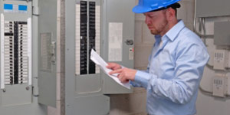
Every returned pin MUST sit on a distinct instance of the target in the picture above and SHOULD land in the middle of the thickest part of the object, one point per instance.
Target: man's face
(157, 22)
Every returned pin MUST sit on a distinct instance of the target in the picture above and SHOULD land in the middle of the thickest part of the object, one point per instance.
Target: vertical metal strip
(98, 31)
(29, 37)
(92, 34)
(2, 53)
(87, 38)
(78, 42)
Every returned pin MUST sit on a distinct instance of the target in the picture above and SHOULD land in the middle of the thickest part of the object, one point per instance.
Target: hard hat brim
(140, 9)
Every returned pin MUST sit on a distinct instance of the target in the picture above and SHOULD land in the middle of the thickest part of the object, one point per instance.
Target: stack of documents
(100, 62)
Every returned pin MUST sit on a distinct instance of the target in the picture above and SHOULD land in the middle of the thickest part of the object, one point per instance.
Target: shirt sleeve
(136, 84)
(190, 63)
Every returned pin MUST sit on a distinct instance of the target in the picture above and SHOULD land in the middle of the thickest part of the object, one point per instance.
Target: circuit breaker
(15, 53)
(87, 36)
(15, 48)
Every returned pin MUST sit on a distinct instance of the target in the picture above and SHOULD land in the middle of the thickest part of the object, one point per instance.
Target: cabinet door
(118, 37)
(47, 51)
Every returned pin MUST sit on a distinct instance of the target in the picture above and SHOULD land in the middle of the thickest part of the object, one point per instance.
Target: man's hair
(173, 6)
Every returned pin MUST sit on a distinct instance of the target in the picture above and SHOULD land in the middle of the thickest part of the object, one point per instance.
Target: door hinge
(35, 11)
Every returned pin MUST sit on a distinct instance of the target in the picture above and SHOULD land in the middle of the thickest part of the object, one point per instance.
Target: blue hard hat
(151, 5)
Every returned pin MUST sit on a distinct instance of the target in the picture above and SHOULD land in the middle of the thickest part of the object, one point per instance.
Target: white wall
(208, 105)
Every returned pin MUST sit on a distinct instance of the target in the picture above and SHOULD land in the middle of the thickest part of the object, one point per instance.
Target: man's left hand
(124, 74)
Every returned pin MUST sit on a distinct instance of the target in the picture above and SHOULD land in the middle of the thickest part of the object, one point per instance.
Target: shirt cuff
(134, 84)
(142, 78)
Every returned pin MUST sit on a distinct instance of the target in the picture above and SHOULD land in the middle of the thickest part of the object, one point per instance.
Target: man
(175, 65)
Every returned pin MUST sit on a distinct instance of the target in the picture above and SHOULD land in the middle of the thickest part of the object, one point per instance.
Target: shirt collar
(175, 30)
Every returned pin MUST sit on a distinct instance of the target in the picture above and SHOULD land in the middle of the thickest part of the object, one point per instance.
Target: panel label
(115, 41)
(12, 8)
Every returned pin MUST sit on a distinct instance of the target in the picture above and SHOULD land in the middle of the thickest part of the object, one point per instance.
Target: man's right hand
(113, 66)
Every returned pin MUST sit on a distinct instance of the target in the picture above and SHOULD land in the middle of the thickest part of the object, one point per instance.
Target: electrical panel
(83, 78)
(15, 48)
(16, 58)
(16, 54)
(87, 36)
(98, 25)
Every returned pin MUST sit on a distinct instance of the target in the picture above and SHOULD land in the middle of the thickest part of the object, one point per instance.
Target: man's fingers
(119, 77)
(122, 78)
(115, 71)
(124, 81)
(113, 66)
(109, 66)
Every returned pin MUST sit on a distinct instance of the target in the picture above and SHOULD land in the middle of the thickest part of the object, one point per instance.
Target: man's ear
(171, 13)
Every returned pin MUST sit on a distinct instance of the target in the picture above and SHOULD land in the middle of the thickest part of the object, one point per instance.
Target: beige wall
(134, 104)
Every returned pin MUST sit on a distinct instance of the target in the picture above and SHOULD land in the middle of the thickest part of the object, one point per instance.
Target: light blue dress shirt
(174, 72)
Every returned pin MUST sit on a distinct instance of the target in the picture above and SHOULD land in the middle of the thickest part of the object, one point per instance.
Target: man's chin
(154, 32)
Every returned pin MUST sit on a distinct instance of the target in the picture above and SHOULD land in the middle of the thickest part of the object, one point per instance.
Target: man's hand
(124, 74)
(113, 66)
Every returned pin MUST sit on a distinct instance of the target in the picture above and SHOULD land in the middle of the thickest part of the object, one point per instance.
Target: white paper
(99, 61)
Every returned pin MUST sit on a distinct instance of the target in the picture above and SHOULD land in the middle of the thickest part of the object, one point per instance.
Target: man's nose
(147, 20)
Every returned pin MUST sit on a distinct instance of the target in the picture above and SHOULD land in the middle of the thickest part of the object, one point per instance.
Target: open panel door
(47, 59)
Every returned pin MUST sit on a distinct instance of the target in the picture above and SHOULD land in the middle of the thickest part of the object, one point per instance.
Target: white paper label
(115, 41)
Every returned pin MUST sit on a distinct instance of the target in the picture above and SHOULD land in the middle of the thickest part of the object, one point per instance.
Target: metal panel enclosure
(221, 33)
(19, 95)
(211, 8)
